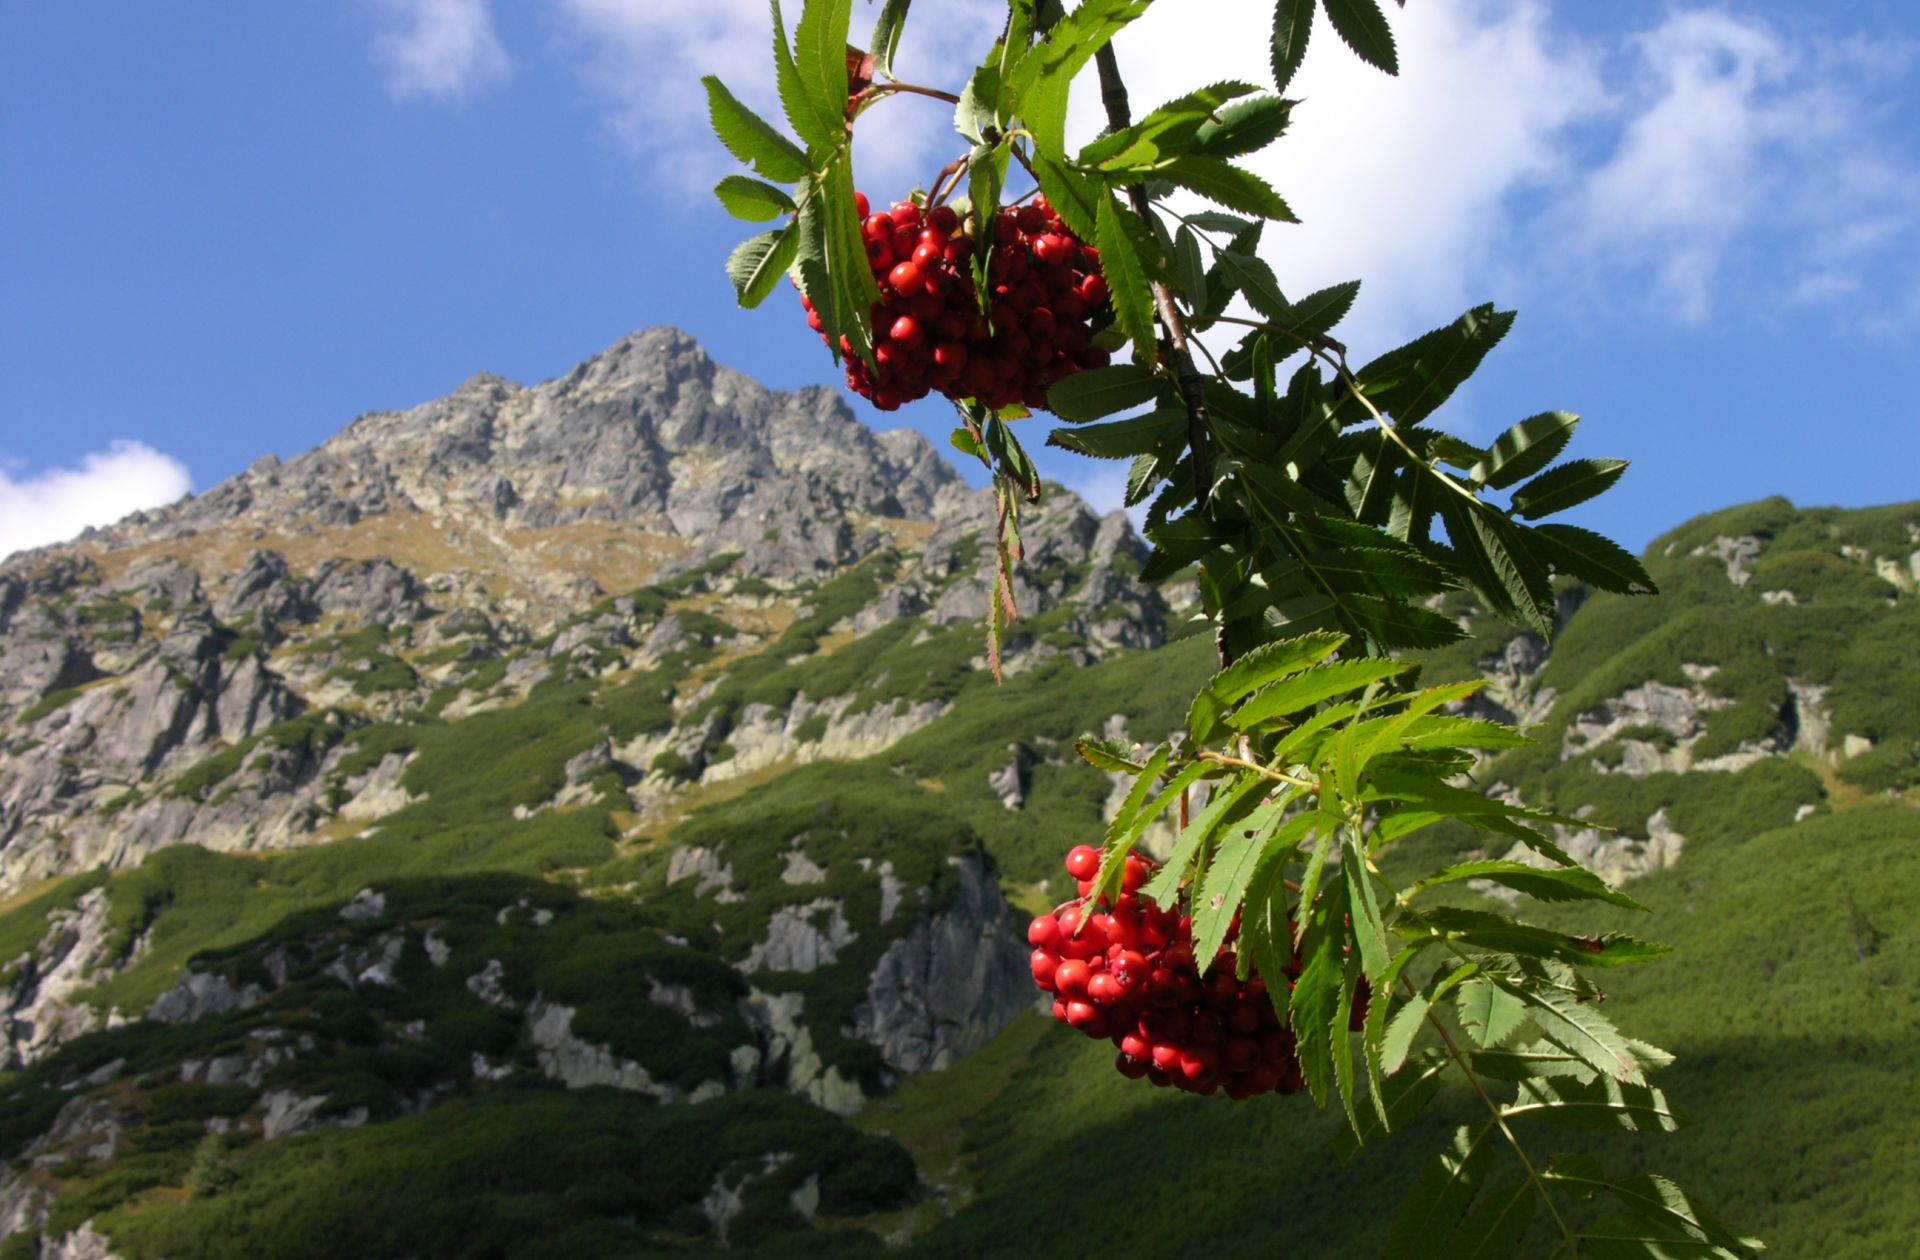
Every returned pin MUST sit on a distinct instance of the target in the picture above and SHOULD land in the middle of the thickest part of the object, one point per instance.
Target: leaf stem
(1500, 1119)
(1466, 1069)
(879, 90)
(1276, 775)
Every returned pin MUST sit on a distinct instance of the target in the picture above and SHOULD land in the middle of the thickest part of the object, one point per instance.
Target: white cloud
(56, 504)
(646, 57)
(1736, 145)
(440, 48)
(1404, 182)
(1681, 163)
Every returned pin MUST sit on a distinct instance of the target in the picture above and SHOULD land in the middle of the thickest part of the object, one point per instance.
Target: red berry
(1044, 966)
(906, 329)
(905, 214)
(951, 354)
(1083, 861)
(1071, 976)
(943, 219)
(1044, 932)
(1200, 1064)
(905, 279)
(1240, 1054)
(860, 204)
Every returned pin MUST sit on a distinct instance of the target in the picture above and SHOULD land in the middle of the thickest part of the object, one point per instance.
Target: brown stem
(1113, 94)
(879, 90)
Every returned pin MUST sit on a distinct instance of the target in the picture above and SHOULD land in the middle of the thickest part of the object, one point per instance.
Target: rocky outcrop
(802, 938)
(953, 980)
(789, 1056)
(43, 998)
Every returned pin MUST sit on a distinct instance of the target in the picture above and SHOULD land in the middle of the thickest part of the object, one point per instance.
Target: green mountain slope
(375, 907)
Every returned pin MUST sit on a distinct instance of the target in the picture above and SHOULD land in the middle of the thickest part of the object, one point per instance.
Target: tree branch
(1113, 94)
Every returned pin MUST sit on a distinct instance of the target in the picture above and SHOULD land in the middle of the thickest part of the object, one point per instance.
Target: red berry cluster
(929, 332)
(1130, 975)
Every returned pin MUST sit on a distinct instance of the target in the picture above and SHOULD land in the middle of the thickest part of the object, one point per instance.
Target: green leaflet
(1482, 929)
(1600, 1103)
(1074, 196)
(1163, 429)
(1292, 24)
(1222, 808)
(1103, 391)
(1316, 314)
(1400, 1031)
(1663, 1212)
(1411, 383)
(1302, 691)
(1317, 992)
(820, 54)
(1112, 755)
(1580, 1028)
(887, 29)
(751, 138)
(1363, 27)
(1369, 934)
(1039, 81)
(1525, 449)
(1528, 1062)
(757, 263)
(1566, 883)
(752, 200)
(1126, 279)
(1595, 560)
(1406, 1096)
(1227, 185)
(1270, 663)
(1563, 487)
(1231, 872)
(1253, 277)
(1188, 266)
(978, 112)
(1433, 1209)
(1165, 133)
(1127, 827)
(1492, 1231)
(1243, 127)
(820, 129)
(1488, 1012)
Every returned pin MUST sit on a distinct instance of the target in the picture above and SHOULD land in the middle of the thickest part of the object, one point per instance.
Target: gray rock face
(199, 995)
(951, 982)
(42, 1010)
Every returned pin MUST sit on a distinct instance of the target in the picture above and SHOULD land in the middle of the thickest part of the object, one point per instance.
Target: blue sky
(229, 229)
